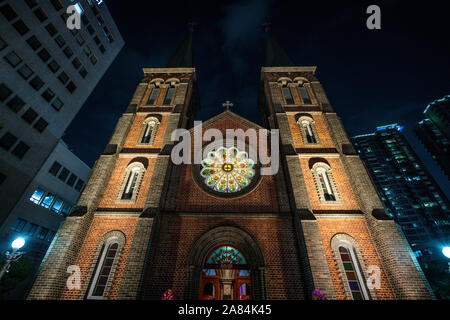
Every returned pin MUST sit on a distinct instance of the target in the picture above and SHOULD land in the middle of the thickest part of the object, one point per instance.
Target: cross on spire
(227, 105)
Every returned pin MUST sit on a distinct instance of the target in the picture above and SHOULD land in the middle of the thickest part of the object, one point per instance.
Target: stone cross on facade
(227, 105)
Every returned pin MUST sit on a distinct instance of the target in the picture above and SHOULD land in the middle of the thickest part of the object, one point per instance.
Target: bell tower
(108, 233)
(351, 248)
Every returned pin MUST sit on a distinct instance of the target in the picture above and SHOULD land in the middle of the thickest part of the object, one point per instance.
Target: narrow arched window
(308, 130)
(353, 274)
(287, 94)
(103, 270)
(150, 130)
(153, 96)
(170, 93)
(325, 183)
(304, 95)
(130, 186)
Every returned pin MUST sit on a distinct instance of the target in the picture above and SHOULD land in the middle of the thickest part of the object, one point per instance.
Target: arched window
(153, 96)
(304, 90)
(308, 130)
(170, 93)
(353, 274)
(149, 131)
(133, 178)
(325, 183)
(104, 267)
(287, 94)
(304, 95)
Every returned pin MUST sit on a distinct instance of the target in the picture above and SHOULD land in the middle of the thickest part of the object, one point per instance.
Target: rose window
(227, 170)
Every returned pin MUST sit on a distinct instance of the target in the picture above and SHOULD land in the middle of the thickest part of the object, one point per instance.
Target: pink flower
(170, 295)
(318, 295)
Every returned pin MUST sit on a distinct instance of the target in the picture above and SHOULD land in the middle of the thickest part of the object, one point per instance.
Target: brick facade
(357, 229)
(280, 224)
(274, 236)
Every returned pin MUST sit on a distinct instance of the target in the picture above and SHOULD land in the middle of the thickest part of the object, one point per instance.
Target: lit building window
(19, 225)
(48, 200)
(37, 196)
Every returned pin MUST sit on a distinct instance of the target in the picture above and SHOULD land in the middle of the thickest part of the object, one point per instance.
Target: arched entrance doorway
(226, 275)
(226, 263)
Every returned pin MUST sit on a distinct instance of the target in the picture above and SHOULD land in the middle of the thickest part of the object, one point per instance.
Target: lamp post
(12, 256)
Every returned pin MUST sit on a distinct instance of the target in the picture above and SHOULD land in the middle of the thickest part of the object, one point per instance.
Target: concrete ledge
(131, 108)
(78, 211)
(380, 214)
(110, 149)
(149, 213)
(348, 149)
(305, 214)
(178, 108)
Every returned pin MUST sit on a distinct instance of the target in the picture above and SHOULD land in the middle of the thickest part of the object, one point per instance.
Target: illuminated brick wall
(88, 255)
(322, 131)
(137, 128)
(357, 229)
(109, 199)
(348, 200)
(274, 236)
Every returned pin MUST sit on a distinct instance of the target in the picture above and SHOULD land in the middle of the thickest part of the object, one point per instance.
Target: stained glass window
(227, 170)
(226, 255)
(244, 273)
(351, 274)
(210, 272)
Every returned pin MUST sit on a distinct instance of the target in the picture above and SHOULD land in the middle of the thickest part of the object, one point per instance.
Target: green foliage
(18, 272)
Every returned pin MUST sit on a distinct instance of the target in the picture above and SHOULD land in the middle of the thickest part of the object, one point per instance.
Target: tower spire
(275, 55)
(183, 57)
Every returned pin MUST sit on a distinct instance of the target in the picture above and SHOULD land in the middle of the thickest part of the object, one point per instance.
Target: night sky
(372, 78)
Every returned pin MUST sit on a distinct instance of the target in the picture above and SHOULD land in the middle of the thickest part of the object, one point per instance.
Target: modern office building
(46, 74)
(44, 205)
(409, 193)
(434, 132)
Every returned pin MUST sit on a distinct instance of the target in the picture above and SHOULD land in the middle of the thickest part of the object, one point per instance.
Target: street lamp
(15, 255)
(446, 252)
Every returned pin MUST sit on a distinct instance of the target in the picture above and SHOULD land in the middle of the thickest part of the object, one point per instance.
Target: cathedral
(222, 230)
